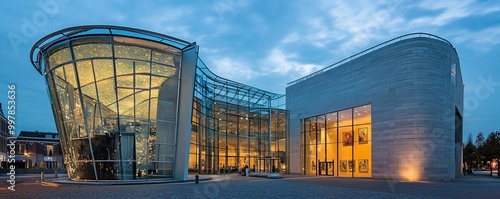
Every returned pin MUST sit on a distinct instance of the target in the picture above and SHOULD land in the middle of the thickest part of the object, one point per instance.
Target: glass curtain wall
(337, 143)
(234, 126)
(115, 103)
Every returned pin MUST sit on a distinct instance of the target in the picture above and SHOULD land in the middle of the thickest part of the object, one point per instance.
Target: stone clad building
(392, 111)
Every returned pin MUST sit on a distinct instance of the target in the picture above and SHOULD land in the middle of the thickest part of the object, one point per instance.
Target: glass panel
(362, 115)
(103, 69)
(331, 120)
(84, 170)
(311, 135)
(331, 135)
(362, 150)
(345, 117)
(231, 145)
(346, 164)
(164, 169)
(79, 118)
(107, 170)
(85, 72)
(311, 162)
(60, 56)
(70, 75)
(142, 81)
(164, 58)
(165, 132)
(92, 50)
(107, 94)
(125, 81)
(331, 154)
(124, 67)
(142, 105)
(142, 67)
(105, 146)
(156, 82)
(126, 101)
(141, 146)
(81, 149)
(132, 52)
(321, 131)
(89, 91)
(154, 108)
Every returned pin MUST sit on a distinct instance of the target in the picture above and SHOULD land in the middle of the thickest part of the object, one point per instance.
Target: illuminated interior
(115, 94)
(109, 93)
(337, 143)
(234, 126)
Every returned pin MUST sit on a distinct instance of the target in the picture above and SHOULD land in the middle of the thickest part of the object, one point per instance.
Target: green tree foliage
(491, 146)
(483, 150)
(470, 151)
(480, 149)
(479, 139)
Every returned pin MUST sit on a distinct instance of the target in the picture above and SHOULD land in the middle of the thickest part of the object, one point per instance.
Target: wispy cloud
(449, 11)
(482, 40)
(279, 62)
(347, 26)
(233, 69)
(169, 20)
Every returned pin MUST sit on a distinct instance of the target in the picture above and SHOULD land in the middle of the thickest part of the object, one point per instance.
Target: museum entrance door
(269, 165)
(326, 168)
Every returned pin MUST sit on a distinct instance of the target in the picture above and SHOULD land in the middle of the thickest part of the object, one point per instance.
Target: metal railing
(369, 50)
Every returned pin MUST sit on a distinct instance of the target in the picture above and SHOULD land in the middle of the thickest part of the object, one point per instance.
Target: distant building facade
(38, 150)
(4, 134)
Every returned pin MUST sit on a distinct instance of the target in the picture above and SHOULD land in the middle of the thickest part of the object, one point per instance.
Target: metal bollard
(196, 179)
(55, 173)
(42, 176)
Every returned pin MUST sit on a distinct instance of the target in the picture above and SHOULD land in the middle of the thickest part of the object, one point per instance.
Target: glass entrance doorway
(326, 168)
(269, 165)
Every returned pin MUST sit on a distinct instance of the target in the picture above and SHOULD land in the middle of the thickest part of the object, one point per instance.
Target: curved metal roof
(64, 34)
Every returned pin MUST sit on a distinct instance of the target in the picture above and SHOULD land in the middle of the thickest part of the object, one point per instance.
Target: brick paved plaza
(235, 186)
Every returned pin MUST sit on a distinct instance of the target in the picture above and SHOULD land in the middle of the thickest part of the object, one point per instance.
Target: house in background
(35, 149)
(3, 138)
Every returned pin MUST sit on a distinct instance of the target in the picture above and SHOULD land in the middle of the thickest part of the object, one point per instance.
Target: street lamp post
(26, 157)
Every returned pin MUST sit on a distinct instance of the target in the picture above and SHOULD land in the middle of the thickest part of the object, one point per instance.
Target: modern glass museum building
(132, 104)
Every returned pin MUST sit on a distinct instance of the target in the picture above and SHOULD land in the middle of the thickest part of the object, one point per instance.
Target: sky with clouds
(261, 43)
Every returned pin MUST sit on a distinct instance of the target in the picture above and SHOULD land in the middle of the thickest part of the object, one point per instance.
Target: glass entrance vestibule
(337, 143)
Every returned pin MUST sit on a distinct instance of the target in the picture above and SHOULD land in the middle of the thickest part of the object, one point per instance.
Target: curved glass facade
(235, 125)
(117, 95)
(107, 96)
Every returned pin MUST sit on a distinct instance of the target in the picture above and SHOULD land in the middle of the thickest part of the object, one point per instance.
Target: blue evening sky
(265, 44)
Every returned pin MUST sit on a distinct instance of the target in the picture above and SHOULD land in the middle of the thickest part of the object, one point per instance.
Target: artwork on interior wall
(313, 166)
(347, 138)
(363, 165)
(350, 166)
(363, 135)
(343, 166)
